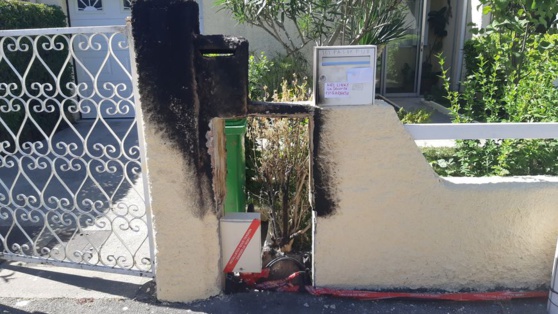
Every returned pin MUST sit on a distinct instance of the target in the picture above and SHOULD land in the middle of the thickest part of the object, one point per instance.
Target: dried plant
(279, 184)
(292, 91)
(278, 159)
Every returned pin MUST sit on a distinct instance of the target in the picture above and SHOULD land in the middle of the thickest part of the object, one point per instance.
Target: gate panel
(71, 190)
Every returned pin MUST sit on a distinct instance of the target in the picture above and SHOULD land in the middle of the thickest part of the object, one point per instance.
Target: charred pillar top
(186, 79)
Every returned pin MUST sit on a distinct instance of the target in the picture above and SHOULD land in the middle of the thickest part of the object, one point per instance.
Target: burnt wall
(325, 199)
(186, 79)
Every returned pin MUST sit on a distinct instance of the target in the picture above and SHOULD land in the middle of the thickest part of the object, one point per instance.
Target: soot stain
(325, 201)
(163, 31)
(260, 108)
(187, 79)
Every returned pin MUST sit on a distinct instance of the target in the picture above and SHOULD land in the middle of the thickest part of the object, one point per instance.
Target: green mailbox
(235, 200)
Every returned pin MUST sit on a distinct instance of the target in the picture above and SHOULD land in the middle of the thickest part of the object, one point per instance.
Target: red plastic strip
(241, 247)
(276, 284)
(252, 278)
(285, 285)
(467, 296)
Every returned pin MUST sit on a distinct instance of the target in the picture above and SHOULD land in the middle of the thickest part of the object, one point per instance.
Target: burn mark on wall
(325, 201)
(216, 145)
(259, 108)
(185, 80)
(221, 73)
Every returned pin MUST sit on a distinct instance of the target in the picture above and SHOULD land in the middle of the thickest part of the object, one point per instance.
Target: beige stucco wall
(187, 246)
(398, 225)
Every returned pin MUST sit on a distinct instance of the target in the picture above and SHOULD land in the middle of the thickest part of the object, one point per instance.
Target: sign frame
(345, 75)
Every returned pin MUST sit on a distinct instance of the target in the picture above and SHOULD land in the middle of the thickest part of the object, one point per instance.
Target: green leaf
(486, 9)
(546, 44)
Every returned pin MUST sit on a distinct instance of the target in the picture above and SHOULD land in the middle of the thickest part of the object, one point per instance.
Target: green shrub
(43, 107)
(417, 116)
(471, 52)
(499, 88)
(277, 155)
(267, 76)
(258, 69)
(21, 15)
(442, 160)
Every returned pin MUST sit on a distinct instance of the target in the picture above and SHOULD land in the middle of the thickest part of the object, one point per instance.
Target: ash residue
(325, 200)
(163, 32)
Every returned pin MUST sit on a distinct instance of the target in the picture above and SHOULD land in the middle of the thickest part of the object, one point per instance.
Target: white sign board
(241, 251)
(344, 75)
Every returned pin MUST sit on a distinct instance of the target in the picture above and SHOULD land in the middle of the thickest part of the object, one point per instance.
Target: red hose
(460, 296)
(285, 285)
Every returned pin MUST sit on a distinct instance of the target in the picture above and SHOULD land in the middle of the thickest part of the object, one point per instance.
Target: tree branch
(274, 34)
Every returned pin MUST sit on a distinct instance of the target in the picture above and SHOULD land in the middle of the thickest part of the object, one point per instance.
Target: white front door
(98, 12)
(102, 61)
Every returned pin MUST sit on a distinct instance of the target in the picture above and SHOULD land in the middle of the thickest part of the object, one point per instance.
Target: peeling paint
(216, 148)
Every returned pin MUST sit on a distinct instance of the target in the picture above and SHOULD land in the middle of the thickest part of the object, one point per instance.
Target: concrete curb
(436, 106)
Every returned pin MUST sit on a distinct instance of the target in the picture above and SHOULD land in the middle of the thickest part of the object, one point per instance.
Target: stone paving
(26, 288)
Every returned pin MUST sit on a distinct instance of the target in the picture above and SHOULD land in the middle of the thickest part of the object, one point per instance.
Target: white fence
(470, 131)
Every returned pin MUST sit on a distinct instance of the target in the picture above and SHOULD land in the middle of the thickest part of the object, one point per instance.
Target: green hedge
(510, 79)
(20, 15)
(45, 110)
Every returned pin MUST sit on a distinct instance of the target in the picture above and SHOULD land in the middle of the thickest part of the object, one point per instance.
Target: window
(127, 4)
(90, 5)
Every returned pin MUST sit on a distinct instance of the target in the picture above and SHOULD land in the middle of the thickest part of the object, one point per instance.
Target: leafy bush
(258, 70)
(442, 160)
(278, 182)
(522, 16)
(41, 101)
(267, 76)
(294, 24)
(277, 156)
(417, 116)
(501, 89)
(20, 15)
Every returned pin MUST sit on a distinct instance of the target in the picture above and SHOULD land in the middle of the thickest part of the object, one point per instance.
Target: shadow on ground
(113, 287)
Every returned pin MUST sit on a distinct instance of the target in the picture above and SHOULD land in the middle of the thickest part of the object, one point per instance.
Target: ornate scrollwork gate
(72, 189)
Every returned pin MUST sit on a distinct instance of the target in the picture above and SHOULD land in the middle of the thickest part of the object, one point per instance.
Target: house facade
(407, 68)
(114, 12)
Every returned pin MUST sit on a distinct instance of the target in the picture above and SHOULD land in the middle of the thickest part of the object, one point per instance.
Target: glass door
(399, 65)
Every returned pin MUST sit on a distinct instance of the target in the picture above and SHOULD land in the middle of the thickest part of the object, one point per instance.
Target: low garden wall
(396, 224)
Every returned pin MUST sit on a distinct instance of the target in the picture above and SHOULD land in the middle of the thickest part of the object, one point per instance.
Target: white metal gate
(72, 191)
(101, 13)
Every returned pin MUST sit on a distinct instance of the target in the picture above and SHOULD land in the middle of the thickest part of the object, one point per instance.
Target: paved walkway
(415, 103)
(46, 289)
